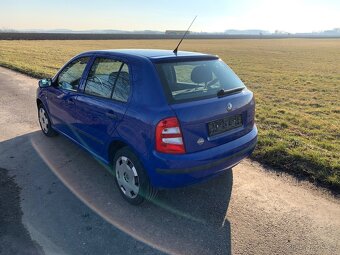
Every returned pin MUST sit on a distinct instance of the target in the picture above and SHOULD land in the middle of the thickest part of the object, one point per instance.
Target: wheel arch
(113, 147)
(116, 145)
(39, 102)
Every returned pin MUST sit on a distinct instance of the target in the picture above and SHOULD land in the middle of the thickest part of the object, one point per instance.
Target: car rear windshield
(188, 81)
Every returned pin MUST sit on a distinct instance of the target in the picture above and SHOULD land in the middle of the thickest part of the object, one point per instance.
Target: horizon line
(114, 31)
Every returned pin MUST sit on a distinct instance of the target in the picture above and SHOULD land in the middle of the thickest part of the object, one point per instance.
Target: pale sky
(213, 15)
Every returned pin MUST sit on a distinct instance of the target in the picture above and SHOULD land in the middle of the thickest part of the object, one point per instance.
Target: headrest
(201, 74)
(122, 75)
(113, 76)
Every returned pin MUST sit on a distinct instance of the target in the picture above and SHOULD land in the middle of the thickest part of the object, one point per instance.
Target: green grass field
(296, 84)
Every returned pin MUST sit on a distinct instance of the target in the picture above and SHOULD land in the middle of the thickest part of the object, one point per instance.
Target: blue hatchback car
(158, 119)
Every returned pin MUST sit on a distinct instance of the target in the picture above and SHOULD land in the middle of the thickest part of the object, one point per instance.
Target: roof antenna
(175, 50)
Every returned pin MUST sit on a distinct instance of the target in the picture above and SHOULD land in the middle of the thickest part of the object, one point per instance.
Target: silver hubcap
(43, 120)
(127, 177)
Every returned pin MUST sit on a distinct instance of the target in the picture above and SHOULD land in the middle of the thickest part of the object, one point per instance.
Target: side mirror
(45, 83)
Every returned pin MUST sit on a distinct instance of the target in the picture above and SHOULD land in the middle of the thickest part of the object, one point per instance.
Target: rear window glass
(188, 81)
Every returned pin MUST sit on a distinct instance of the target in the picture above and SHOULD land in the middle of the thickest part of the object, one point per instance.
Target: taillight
(169, 137)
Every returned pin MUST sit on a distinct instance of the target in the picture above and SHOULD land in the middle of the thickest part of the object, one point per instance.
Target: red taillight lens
(169, 137)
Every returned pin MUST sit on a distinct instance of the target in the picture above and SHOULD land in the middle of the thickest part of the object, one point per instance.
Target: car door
(62, 95)
(103, 103)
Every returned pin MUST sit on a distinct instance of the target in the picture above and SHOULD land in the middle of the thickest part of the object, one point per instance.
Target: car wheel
(131, 178)
(45, 122)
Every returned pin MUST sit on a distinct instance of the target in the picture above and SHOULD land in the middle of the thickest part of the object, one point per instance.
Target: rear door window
(121, 89)
(102, 77)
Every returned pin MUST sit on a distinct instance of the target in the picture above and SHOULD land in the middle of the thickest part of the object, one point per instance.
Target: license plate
(222, 125)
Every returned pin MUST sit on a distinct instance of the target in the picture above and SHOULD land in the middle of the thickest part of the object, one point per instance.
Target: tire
(131, 178)
(45, 122)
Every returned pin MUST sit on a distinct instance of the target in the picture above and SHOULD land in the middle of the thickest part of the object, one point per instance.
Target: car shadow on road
(189, 220)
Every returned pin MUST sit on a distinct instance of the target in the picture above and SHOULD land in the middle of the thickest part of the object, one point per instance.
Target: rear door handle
(70, 100)
(111, 115)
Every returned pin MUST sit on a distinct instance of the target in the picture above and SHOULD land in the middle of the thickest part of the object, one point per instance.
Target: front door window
(70, 76)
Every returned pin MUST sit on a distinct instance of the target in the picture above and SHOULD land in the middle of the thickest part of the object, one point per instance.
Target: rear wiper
(225, 92)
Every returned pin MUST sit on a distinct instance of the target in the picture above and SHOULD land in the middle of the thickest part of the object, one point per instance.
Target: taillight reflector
(169, 137)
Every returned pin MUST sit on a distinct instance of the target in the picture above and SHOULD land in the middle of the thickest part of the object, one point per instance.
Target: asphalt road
(70, 204)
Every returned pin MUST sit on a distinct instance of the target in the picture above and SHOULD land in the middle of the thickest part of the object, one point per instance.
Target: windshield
(188, 81)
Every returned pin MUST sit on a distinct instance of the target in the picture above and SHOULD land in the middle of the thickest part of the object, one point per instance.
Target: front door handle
(111, 115)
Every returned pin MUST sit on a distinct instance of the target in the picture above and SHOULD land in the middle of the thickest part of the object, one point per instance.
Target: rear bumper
(170, 171)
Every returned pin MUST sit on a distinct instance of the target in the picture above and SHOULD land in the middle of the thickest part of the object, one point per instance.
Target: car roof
(154, 55)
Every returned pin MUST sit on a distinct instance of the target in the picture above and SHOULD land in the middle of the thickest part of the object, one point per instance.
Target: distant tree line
(88, 36)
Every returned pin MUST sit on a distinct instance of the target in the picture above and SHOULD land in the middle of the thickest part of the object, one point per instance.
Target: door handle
(70, 100)
(111, 115)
